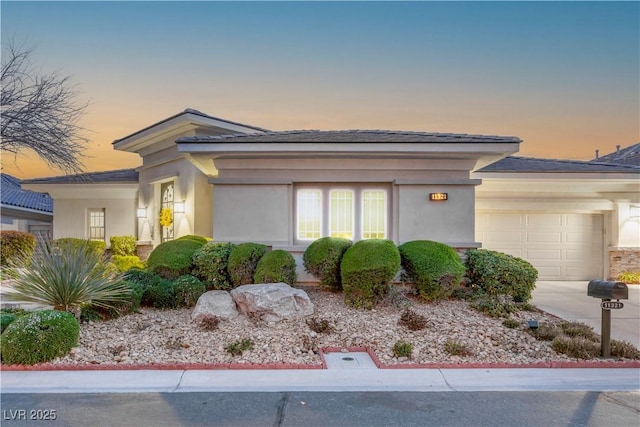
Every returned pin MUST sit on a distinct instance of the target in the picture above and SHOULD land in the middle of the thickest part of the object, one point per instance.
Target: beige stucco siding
(449, 221)
(71, 217)
(258, 213)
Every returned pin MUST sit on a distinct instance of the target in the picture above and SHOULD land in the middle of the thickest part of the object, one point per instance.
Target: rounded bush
(435, 269)
(276, 266)
(210, 264)
(126, 262)
(156, 291)
(187, 290)
(243, 261)
(39, 337)
(322, 259)
(194, 237)
(16, 248)
(5, 320)
(497, 273)
(172, 259)
(123, 245)
(367, 268)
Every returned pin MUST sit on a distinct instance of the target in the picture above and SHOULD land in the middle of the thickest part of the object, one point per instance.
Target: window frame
(103, 227)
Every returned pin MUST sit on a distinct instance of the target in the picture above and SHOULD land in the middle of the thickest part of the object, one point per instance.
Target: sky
(562, 76)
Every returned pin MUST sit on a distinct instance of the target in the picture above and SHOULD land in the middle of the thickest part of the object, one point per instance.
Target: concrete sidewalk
(569, 301)
(278, 380)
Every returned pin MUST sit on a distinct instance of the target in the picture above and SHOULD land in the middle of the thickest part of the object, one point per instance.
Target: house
(24, 210)
(236, 182)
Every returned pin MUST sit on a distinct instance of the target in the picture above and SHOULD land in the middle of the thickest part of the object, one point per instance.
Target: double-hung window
(353, 213)
(96, 224)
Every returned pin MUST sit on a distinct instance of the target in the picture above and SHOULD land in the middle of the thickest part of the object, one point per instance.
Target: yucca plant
(67, 277)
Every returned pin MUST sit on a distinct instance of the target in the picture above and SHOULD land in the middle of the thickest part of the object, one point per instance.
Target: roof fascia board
(11, 210)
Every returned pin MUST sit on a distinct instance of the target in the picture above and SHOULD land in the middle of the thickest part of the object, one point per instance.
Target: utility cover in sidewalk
(349, 360)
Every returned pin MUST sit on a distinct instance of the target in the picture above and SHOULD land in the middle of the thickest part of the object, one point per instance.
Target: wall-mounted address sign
(438, 197)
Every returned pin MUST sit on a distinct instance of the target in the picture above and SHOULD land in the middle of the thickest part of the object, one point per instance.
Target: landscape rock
(272, 301)
(216, 303)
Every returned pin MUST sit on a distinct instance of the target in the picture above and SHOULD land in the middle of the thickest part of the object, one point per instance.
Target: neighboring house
(238, 183)
(24, 210)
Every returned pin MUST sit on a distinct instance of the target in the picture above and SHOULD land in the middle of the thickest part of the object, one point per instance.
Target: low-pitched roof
(535, 165)
(104, 177)
(187, 111)
(625, 156)
(11, 194)
(301, 136)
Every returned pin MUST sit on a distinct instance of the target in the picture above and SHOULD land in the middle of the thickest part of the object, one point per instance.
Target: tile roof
(121, 175)
(11, 194)
(351, 136)
(188, 111)
(625, 156)
(529, 164)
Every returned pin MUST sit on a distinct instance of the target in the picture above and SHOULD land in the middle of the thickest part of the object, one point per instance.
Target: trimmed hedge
(126, 262)
(276, 266)
(210, 265)
(322, 259)
(123, 245)
(497, 273)
(172, 259)
(367, 268)
(39, 337)
(187, 290)
(194, 237)
(243, 261)
(97, 245)
(16, 248)
(435, 269)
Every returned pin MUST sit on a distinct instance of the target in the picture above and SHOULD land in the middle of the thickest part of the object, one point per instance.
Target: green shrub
(123, 245)
(367, 268)
(172, 259)
(402, 349)
(39, 337)
(124, 263)
(501, 274)
(210, 264)
(510, 323)
(156, 291)
(97, 245)
(187, 290)
(276, 266)
(236, 348)
(16, 248)
(130, 305)
(322, 260)
(243, 261)
(456, 348)
(199, 239)
(5, 320)
(579, 329)
(433, 268)
(67, 276)
(493, 307)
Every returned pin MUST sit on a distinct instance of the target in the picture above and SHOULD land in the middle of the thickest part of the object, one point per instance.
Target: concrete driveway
(569, 300)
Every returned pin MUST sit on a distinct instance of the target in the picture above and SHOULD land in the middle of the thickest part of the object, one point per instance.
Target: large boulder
(272, 301)
(216, 303)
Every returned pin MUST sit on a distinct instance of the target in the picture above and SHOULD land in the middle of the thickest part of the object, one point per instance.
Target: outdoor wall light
(142, 213)
(533, 324)
(178, 207)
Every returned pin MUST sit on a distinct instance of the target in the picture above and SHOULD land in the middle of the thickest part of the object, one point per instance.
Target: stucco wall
(71, 217)
(257, 213)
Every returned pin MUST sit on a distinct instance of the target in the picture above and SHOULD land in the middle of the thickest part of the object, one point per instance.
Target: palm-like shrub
(66, 276)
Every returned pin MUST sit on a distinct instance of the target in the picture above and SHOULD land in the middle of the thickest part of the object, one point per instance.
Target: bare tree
(40, 112)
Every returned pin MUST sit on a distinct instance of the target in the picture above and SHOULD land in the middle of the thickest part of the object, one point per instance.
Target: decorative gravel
(169, 337)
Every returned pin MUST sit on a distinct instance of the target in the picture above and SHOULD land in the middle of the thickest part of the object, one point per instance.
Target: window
(96, 224)
(351, 213)
(309, 214)
(166, 202)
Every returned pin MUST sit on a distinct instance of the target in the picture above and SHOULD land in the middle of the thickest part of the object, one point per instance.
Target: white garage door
(560, 246)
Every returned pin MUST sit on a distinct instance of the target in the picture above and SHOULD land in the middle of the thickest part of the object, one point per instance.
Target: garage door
(560, 246)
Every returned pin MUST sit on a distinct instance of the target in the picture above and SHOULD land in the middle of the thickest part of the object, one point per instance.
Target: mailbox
(607, 290)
